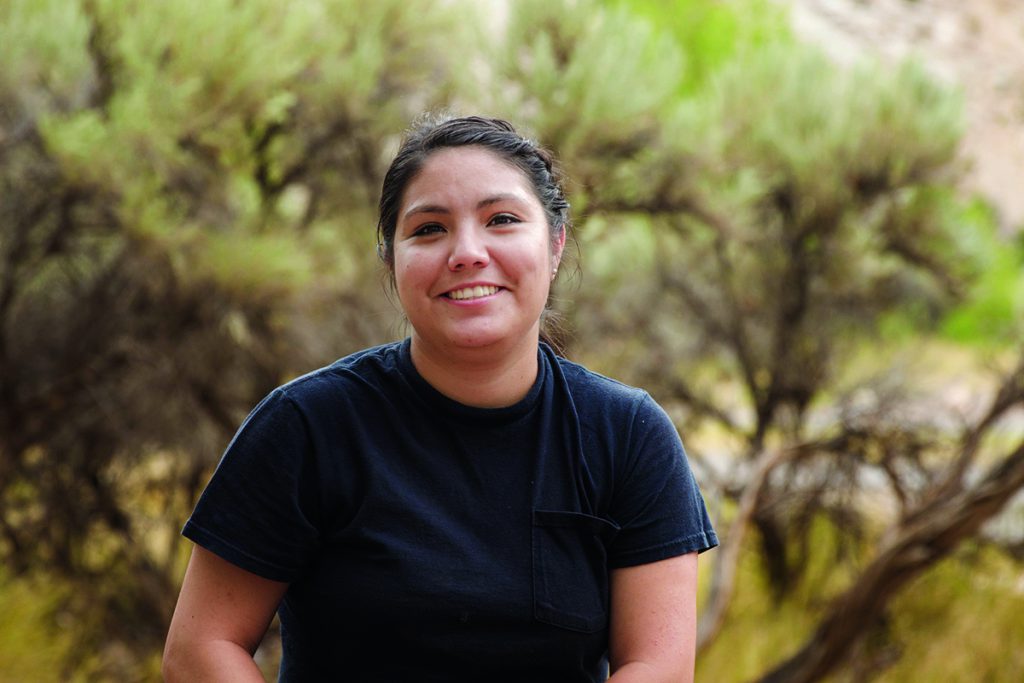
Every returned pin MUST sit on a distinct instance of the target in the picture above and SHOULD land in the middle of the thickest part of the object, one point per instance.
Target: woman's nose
(468, 250)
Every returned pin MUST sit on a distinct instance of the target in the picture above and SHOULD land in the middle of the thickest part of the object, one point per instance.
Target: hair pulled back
(431, 134)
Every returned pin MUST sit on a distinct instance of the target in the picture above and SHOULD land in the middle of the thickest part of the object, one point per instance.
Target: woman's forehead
(469, 174)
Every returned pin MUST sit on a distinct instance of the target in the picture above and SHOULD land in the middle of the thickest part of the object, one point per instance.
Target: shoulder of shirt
(352, 369)
(610, 408)
(585, 383)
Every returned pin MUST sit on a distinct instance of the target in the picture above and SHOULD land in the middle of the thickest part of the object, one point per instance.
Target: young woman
(463, 505)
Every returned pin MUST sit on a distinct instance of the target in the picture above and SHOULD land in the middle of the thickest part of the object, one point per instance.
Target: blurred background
(799, 226)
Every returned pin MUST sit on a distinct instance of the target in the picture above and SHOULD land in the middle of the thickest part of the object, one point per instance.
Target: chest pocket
(570, 569)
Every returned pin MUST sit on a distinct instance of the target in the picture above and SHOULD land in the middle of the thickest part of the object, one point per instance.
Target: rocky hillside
(977, 46)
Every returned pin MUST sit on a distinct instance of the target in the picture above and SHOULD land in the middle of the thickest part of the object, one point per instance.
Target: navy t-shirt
(426, 540)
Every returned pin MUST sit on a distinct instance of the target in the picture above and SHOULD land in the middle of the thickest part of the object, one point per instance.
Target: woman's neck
(480, 377)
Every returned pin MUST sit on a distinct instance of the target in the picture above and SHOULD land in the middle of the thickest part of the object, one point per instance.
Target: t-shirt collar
(442, 405)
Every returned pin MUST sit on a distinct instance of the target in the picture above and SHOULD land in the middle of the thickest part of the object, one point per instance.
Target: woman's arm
(654, 621)
(222, 613)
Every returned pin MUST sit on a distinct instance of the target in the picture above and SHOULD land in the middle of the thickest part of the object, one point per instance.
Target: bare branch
(1009, 395)
(723, 579)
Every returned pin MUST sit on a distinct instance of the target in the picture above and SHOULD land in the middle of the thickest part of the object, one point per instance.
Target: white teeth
(472, 292)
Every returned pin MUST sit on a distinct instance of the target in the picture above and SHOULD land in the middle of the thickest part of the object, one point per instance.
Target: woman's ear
(557, 247)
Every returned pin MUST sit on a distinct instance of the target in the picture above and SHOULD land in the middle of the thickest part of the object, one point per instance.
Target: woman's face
(473, 256)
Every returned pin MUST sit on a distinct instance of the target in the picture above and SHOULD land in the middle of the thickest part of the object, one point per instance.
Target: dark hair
(431, 134)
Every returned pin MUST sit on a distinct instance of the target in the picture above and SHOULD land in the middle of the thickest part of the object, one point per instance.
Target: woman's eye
(428, 229)
(504, 219)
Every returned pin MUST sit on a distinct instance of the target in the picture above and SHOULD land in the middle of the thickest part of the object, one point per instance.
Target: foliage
(712, 34)
(591, 83)
(993, 313)
(31, 649)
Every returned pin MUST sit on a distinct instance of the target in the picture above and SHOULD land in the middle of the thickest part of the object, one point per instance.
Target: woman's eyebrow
(426, 208)
(487, 201)
(494, 199)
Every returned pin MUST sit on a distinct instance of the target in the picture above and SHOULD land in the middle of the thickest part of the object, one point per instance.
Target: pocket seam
(595, 530)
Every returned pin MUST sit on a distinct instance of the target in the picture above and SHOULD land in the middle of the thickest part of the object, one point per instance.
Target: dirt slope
(977, 45)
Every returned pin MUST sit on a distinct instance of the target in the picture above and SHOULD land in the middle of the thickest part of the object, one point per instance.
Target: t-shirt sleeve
(258, 511)
(657, 503)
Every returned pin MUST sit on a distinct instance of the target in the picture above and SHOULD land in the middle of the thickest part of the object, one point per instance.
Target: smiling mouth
(471, 292)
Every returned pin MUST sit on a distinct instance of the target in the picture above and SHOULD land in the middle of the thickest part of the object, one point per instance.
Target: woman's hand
(221, 616)
(654, 621)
